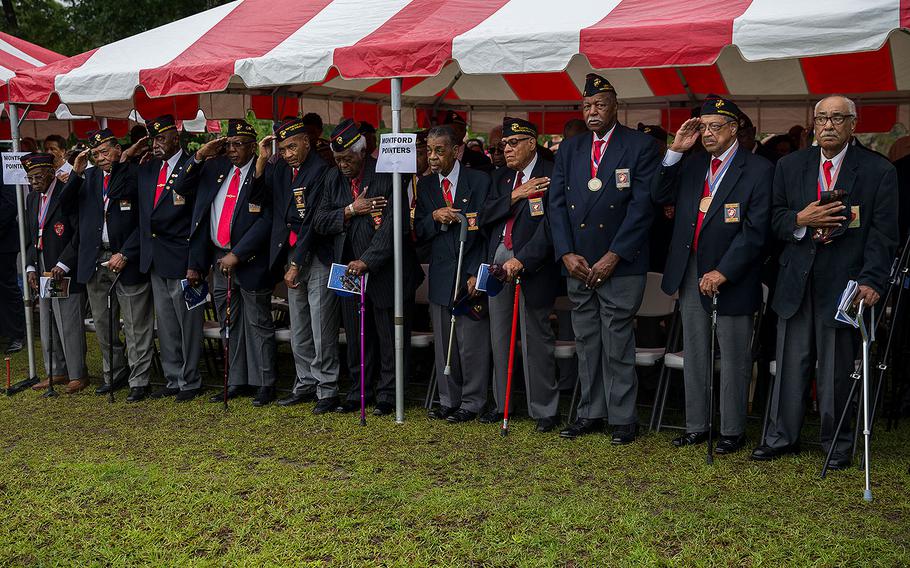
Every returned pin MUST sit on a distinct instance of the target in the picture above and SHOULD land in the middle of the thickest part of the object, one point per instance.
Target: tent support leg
(398, 264)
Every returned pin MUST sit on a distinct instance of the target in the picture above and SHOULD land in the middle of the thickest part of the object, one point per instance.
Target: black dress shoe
(292, 400)
(325, 405)
(383, 408)
(164, 392)
(490, 416)
(548, 424)
(767, 453)
(581, 427)
(136, 394)
(690, 439)
(624, 434)
(186, 395)
(106, 387)
(441, 412)
(730, 444)
(14, 346)
(348, 406)
(264, 396)
(839, 462)
(234, 391)
(461, 415)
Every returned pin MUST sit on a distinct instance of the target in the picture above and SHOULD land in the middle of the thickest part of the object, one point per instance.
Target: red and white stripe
(494, 54)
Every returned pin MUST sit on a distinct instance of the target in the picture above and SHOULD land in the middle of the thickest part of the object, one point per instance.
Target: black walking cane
(709, 459)
(227, 337)
(462, 238)
(110, 331)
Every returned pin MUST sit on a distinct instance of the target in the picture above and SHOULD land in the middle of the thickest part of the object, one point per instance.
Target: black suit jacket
(250, 226)
(61, 239)
(164, 228)
(276, 187)
(592, 223)
(470, 197)
(731, 244)
(361, 238)
(86, 193)
(532, 244)
(903, 181)
(864, 254)
(9, 228)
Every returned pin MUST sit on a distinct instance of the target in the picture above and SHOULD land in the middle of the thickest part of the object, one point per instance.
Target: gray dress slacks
(603, 320)
(734, 338)
(467, 386)
(537, 349)
(179, 333)
(314, 321)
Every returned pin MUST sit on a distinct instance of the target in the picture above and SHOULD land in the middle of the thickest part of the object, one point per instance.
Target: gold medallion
(704, 204)
(594, 184)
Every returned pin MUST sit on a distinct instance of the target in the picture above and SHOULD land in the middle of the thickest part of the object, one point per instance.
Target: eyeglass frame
(714, 127)
(836, 119)
(514, 142)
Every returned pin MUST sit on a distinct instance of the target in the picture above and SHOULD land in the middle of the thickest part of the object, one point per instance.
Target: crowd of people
(580, 222)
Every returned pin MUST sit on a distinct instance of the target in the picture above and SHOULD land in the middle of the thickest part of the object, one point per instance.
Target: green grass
(86, 483)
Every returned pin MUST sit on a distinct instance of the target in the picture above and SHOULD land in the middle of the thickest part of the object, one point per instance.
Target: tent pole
(20, 209)
(398, 264)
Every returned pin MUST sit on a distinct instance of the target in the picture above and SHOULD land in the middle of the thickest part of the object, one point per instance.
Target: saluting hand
(686, 136)
(141, 145)
(210, 149)
(81, 162)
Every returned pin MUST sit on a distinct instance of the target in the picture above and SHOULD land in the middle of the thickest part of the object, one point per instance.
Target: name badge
(623, 179)
(731, 212)
(253, 208)
(377, 219)
(535, 206)
(472, 221)
(125, 205)
(854, 217)
(179, 199)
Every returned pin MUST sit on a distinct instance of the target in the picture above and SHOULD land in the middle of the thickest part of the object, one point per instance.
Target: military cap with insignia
(238, 127)
(595, 84)
(36, 160)
(515, 126)
(453, 117)
(344, 135)
(161, 125)
(289, 128)
(721, 106)
(654, 131)
(99, 137)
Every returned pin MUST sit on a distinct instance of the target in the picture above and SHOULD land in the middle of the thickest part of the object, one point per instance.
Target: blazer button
(693, 224)
(155, 236)
(289, 225)
(582, 226)
(612, 207)
(687, 246)
(571, 207)
(601, 226)
(280, 244)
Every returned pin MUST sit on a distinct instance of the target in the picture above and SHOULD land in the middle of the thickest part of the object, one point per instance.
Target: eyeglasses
(836, 119)
(514, 142)
(714, 127)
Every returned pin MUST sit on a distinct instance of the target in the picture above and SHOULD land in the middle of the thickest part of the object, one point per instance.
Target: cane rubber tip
(363, 421)
(447, 370)
(504, 432)
(50, 394)
(867, 495)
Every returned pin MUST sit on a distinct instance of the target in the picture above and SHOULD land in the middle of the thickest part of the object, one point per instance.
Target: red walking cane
(505, 414)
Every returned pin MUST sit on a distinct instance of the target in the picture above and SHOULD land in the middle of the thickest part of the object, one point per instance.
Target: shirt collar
(526, 172)
(606, 135)
(728, 151)
(174, 160)
(836, 160)
(453, 175)
(243, 169)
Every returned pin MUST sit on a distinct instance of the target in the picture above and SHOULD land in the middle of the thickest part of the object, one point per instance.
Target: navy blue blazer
(164, 228)
(733, 233)
(592, 223)
(60, 236)
(541, 281)
(470, 197)
(276, 187)
(864, 253)
(122, 219)
(250, 226)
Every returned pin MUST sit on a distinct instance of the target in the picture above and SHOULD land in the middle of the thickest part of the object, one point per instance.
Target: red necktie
(162, 180)
(507, 238)
(107, 180)
(827, 169)
(715, 163)
(294, 173)
(292, 238)
(598, 151)
(355, 188)
(227, 210)
(447, 192)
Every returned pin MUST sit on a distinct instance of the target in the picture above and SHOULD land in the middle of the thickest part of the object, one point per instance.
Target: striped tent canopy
(490, 57)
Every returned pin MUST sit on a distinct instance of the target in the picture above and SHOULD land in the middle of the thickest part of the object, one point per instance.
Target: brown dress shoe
(58, 380)
(75, 386)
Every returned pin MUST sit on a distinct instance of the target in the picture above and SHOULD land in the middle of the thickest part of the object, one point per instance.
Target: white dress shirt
(218, 204)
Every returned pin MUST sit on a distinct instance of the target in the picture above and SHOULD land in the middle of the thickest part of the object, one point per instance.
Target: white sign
(13, 172)
(397, 154)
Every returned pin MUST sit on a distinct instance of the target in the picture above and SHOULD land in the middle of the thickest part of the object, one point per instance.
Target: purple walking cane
(363, 411)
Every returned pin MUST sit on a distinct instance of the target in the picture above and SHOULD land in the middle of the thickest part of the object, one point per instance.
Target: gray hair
(443, 131)
(358, 147)
(851, 106)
